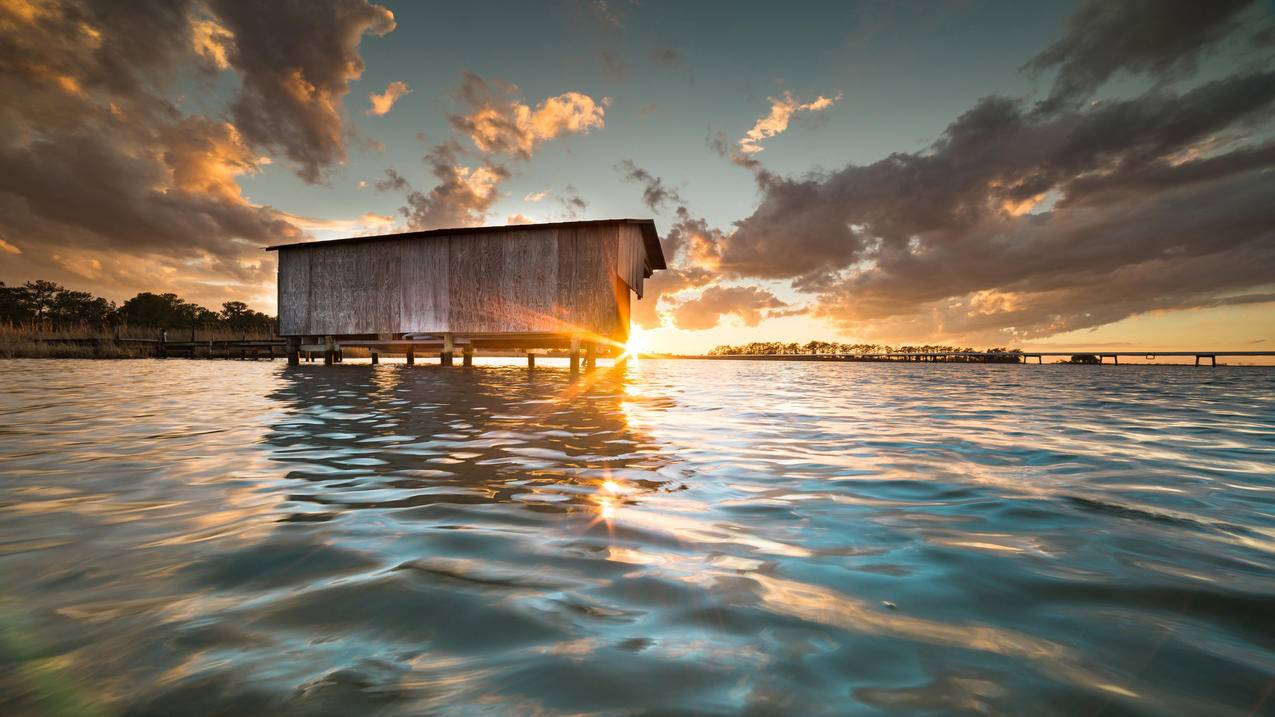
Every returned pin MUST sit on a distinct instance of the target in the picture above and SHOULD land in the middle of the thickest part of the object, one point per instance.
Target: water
(693, 538)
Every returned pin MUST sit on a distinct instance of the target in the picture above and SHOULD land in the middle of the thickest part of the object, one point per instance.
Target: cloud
(776, 121)
(102, 176)
(573, 205)
(382, 103)
(655, 194)
(519, 219)
(1160, 38)
(367, 223)
(750, 304)
(463, 196)
(498, 123)
(659, 289)
(1158, 201)
(536, 196)
(296, 61)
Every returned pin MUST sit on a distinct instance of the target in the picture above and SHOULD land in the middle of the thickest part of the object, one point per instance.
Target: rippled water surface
(685, 538)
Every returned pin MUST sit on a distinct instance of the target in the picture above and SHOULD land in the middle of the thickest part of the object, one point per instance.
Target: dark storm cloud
(1160, 38)
(297, 59)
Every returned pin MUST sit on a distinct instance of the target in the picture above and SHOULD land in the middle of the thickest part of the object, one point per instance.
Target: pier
(1078, 357)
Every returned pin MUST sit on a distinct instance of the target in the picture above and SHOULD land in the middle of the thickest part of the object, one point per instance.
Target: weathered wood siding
(631, 263)
(529, 275)
(586, 271)
(534, 280)
(424, 274)
(354, 288)
(294, 292)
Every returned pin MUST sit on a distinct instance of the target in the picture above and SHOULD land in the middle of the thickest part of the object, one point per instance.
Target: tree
(14, 307)
(161, 311)
(69, 307)
(39, 296)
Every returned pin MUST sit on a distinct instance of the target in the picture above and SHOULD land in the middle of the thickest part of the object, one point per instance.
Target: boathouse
(527, 286)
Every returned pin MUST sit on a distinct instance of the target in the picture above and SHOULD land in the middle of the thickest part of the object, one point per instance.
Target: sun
(638, 342)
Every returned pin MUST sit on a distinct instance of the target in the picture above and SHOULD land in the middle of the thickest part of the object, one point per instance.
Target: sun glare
(638, 343)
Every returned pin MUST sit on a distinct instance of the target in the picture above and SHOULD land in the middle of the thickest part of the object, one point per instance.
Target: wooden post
(1115, 359)
(294, 352)
(329, 352)
(445, 357)
(575, 354)
(531, 359)
(590, 356)
(411, 355)
(467, 355)
(163, 341)
(375, 357)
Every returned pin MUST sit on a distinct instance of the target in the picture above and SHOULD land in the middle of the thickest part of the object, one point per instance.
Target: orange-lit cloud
(498, 123)
(382, 103)
(776, 121)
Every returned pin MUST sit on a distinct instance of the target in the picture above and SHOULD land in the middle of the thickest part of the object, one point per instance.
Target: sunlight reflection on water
(686, 537)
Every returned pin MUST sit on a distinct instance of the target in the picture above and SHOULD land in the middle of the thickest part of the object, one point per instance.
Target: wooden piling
(590, 356)
(375, 358)
(575, 354)
(294, 351)
(531, 360)
(445, 357)
(467, 356)
(329, 351)
(411, 355)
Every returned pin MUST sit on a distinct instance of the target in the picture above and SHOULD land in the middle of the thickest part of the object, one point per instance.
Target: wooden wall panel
(423, 275)
(354, 288)
(631, 262)
(528, 285)
(475, 264)
(586, 279)
(294, 292)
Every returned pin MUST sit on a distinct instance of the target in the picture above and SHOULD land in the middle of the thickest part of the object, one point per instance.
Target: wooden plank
(424, 280)
(294, 292)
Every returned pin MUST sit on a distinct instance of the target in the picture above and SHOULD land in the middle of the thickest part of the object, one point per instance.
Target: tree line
(45, 303)
(831, 347)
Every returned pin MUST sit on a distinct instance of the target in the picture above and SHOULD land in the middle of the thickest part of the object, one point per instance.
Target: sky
(1038, 175)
